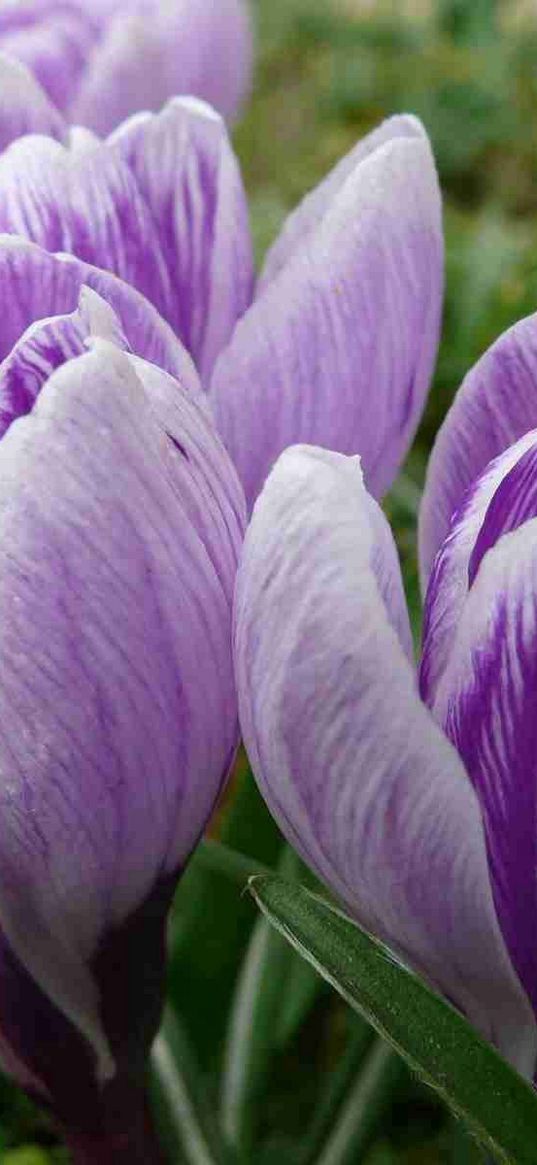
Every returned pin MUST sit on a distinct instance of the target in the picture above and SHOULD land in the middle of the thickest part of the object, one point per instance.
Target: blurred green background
(327, 71)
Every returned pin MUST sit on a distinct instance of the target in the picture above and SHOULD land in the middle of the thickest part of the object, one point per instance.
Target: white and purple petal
(496, 502)
(25, 107)
(495, 405)
(351, 763)
(485, 702)
(121, 520)
(339, 347)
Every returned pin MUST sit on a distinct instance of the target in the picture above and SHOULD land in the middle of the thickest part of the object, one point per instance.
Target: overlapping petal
(120, 524)
(36, 285)
(383, 811)
(496, 404)
(490, 506)
(486, 704)
(339, 346)
(25, 107)
(161, 205)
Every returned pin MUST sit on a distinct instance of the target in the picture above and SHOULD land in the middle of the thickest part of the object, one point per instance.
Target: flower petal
(188, 176)
(36, 285)
(307, 217)
(338, 349)
(495, 405)
(154, 50)
(117, 698)
(25, 108)
(486, 704)
(54, 41)
(350, 762)
(486, 511)
(84, 201)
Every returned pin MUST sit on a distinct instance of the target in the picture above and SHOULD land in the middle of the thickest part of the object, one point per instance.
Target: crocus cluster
(414, 797)
(146, 388)
(94, 62)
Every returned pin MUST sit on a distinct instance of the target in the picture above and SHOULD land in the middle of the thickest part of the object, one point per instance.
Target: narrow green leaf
(364, 1107)
(253, 1025)
(183, 1112)
(222, 859)
(338, 1084)
(496, 1103)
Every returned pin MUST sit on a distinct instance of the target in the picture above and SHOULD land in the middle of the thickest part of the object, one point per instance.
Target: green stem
(364, 1107)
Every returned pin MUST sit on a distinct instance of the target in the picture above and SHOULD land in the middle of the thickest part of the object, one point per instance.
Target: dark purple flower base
(135, 1145)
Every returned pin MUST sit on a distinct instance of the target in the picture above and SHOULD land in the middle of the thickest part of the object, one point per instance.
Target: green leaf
(364, 1107)
(496, 1103)
(337, 1087)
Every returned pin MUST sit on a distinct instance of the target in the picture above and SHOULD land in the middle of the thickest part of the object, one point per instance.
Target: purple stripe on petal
(338, 349)
(495, 405)
(452, 573)
(486, 704)
(352, 765)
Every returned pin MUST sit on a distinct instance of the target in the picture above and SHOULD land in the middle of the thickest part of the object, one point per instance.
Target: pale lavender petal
(117, 699)
(479, 519)
(152, 50)
(495, 405)
(351, 763)
(189, 179)
(54, 41)
(35, 285)
(303, 221)
(24, 107)
(486, 704)
(338, 350)
(84, 201)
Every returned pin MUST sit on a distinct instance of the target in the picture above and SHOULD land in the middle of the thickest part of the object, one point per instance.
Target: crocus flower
(121, 518)
(95, 62)
(417, 806)
(337, 346)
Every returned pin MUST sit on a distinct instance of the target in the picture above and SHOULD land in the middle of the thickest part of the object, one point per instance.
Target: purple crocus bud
(98, 63)
(121, 519)
(339, 346)
(383, 798)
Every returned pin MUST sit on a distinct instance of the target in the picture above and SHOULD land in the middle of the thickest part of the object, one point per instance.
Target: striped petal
(338, 348)
(495, 405)
(35, 285)
(497, 502)
(486, 703)
(188, 177)
(120, 524)
(352, 765)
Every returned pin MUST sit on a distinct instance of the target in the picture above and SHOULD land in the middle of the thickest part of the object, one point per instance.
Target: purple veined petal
(486, 512)
(339, 348)
(153, 50)
(84, 201)
(188, 176)
(45, 346)
(55, 42)
(25, 108)
(303, 221)
(486, 704)
(351, 763)
(35, 285)
(113, 594)
(387, 571)
(495, 405)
